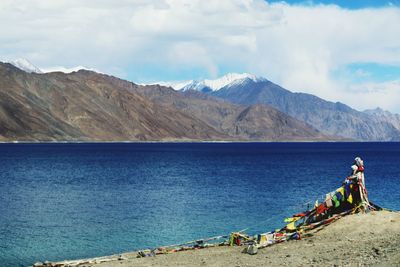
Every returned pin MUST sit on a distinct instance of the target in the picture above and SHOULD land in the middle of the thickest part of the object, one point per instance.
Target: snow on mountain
(25, 65)
(212, 85)
(228, 79)
(177, 85)
(68, 70)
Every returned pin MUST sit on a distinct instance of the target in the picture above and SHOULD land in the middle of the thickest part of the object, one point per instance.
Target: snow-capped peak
(212, 85)
(25, 65)
(228, 79)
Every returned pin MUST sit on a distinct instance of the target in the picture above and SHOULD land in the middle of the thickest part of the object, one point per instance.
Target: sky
(347, 51)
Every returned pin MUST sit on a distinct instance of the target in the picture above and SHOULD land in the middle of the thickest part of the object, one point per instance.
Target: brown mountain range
(87, 106)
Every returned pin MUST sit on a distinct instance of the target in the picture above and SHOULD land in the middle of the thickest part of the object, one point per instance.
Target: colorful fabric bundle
(321, 208)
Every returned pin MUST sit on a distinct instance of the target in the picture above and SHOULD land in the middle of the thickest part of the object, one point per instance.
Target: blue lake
(67, 201)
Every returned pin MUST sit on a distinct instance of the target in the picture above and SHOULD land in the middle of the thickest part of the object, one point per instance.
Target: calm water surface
(67, 201)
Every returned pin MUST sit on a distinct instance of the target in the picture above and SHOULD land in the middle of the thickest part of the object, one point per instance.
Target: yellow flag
(292, 219)
(291, 226)
(350, 198)
(289, 220)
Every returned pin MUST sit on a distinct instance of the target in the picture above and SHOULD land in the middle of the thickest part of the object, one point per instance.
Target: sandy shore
(371, 239)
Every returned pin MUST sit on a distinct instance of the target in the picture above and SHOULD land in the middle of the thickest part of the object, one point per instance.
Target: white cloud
(192, 54)
(298, 47)
(370, 95)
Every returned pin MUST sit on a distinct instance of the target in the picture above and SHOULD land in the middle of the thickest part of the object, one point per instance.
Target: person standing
(358, 175)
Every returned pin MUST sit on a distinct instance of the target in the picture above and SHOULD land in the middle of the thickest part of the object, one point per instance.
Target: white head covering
(359, 162)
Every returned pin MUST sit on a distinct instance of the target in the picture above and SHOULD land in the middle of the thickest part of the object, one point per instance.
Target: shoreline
(192, 142)
(371, 239)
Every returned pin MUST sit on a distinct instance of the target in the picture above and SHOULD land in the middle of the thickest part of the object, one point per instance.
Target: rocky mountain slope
(253, 122)
(384, 115)
(85, 105)
(330, 118)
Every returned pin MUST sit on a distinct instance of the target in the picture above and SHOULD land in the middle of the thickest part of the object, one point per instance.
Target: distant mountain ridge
(335, 119)
(331, 118)
(85, 105)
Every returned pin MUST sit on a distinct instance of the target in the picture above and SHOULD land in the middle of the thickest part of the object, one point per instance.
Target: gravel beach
(371, 239)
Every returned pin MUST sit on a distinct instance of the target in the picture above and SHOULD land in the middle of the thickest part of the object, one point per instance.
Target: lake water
(68, 201)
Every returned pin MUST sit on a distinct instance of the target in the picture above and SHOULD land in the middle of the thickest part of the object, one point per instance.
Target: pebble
(376, 250)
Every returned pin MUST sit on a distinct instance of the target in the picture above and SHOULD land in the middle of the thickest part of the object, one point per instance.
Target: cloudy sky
(346, 51)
